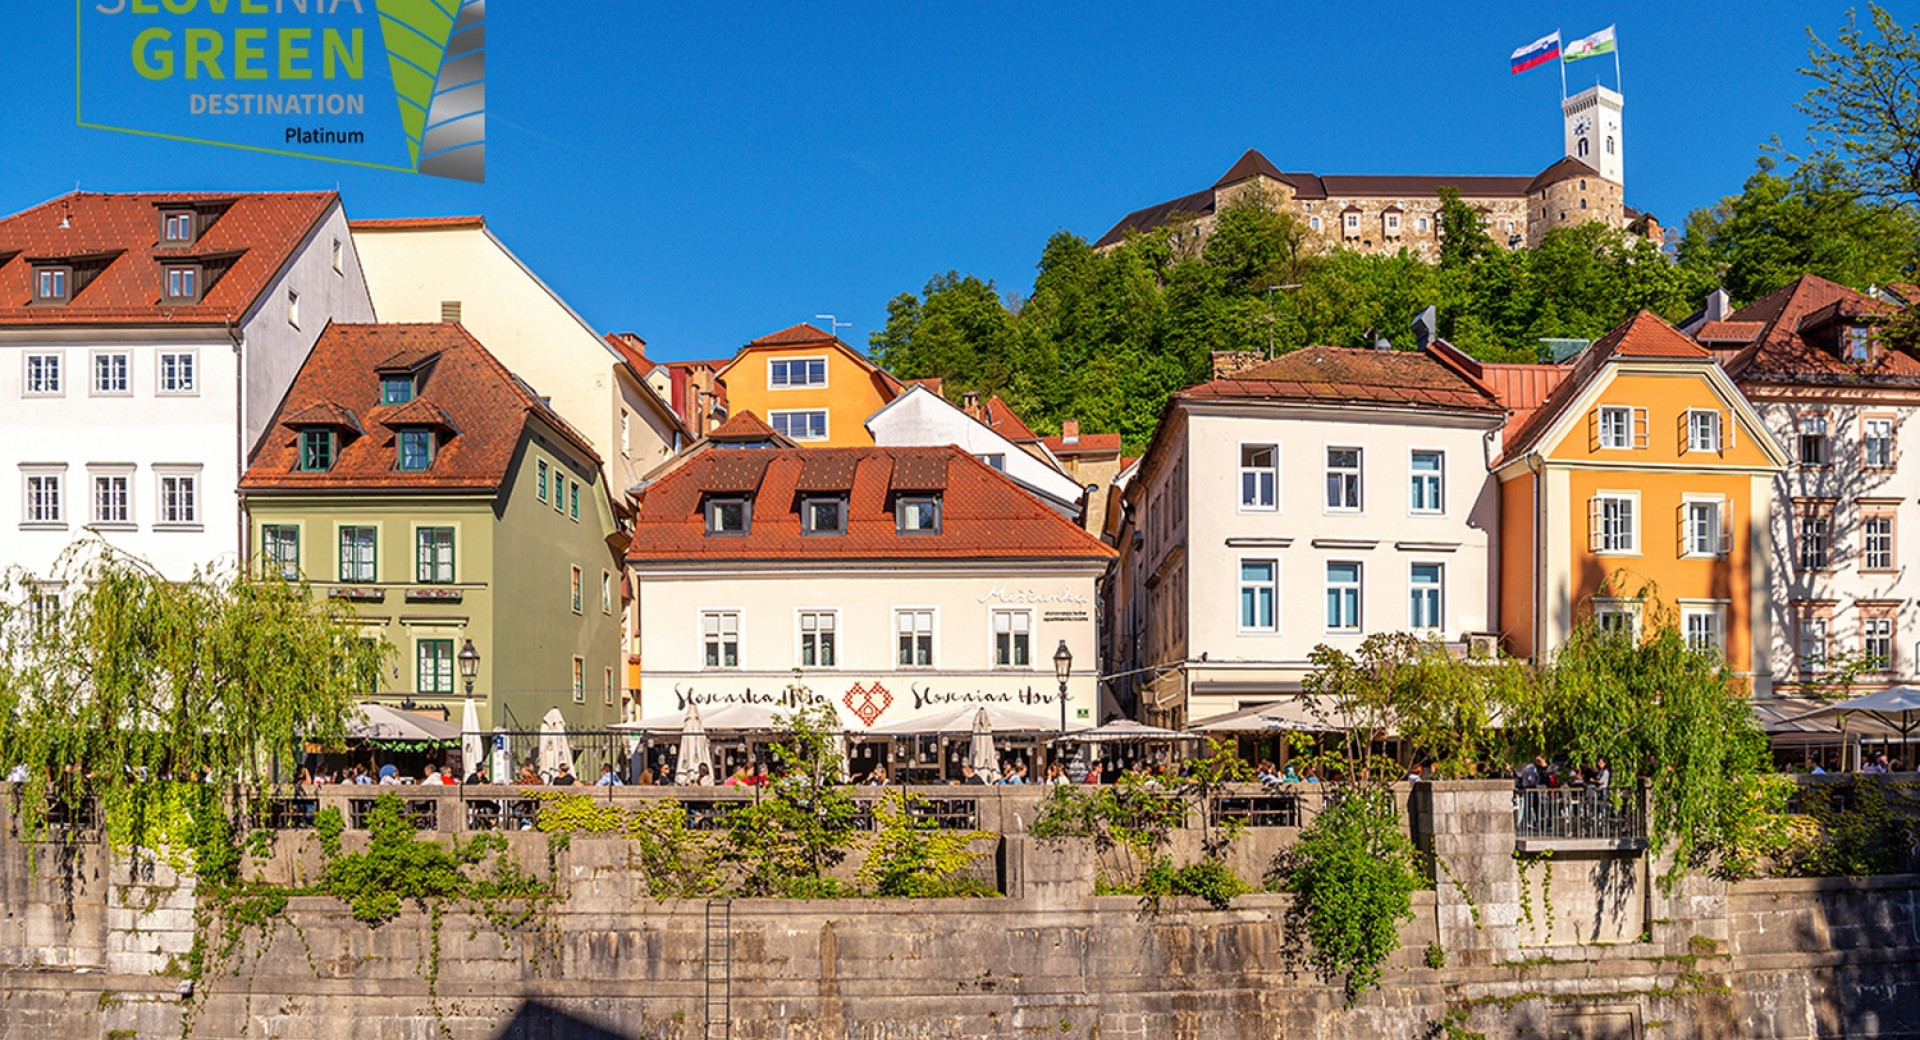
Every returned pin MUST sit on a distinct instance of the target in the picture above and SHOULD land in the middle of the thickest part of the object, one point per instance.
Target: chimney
(970, 404)
(1426, 327)
(1070, 431)
(1719, 305)
(633, 341)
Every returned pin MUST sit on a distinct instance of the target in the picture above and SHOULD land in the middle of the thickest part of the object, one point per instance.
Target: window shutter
(1593, 524)
(1640, 427)
(1726, 430)
(1686, 434)
(1593, 430)
(1726, 527)
(1629, 527)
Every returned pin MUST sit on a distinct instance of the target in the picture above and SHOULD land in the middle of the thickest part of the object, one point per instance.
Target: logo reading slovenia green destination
(293, 77)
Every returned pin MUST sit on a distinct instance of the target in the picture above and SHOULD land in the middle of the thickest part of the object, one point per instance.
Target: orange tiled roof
(805, 332)
(1730, 331)
(982, 513)
(418, 223)
(1003, 420)
(255, 233)
(481, 407)
(1087, 444)
(632, 350)
(1781, 353)
(1353, 375)
(743, 426)
(1645, 336)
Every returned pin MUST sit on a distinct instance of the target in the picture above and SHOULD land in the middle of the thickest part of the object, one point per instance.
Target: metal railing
(1579, 814)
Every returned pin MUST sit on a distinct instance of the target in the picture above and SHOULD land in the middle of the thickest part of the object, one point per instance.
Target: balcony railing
(1579, 817)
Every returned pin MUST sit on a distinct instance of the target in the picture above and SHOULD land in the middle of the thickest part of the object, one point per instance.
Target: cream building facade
(456, 269)
(1319, 498)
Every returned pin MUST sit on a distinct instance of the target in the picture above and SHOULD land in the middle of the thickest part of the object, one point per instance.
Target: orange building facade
(808, 386)
(1639, 491)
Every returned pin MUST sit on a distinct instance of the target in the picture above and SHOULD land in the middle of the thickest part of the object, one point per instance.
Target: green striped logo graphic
(437, 50)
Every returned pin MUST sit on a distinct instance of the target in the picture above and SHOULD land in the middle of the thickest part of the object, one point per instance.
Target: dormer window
(396, 389)
(728, 515)
(50, 284)
(1859, 344)
(917, 514)
(176, 227)
(416, 450)
(183, 283)
(318, 448)
(824, 515)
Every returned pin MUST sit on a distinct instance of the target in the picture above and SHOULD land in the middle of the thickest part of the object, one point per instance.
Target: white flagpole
(1563, 65)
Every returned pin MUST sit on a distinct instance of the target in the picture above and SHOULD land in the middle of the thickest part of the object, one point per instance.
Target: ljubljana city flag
(1539, 52)
(1592, 46)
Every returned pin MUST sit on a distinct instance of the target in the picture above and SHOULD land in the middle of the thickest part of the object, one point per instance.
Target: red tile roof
(633, 350)
(982, 513)
(466, 390)
(418, 223)
(1730, 331)
(1088, 444)
(805, 332)
(1781, 352)
(256, 234)
(1644, 337)
(744, 426)
(1003, 420)
(1350, 375)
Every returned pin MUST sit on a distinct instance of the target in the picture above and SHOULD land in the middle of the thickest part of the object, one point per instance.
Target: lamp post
(1062, 667)
(469, 660)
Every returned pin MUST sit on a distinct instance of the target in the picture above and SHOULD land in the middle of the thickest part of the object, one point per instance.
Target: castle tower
(1593, 131)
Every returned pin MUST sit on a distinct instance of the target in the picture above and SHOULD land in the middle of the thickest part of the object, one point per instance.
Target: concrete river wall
(1580, 944)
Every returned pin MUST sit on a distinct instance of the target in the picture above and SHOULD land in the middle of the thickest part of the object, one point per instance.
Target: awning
(388, 723)
(727, 718)
(1290, 713)
(1121, 730)
(1894, 710)
(960, 722)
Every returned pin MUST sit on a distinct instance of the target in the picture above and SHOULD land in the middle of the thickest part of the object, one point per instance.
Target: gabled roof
(325, 414)
(474, 222)
(1003, 420)
(1643, 337)
(482, 407)
(1085, 444)
(632, 350)
(1780, 351)
(806, 334)
(1522, 389)
(744, 427)
(1351, 375)
(1730, 332)
(252, 235)
(982, 513)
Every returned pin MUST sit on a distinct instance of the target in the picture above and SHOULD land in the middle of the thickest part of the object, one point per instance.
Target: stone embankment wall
(1581, 944)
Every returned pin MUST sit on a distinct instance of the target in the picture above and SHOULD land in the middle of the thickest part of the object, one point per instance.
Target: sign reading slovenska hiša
(390, 84)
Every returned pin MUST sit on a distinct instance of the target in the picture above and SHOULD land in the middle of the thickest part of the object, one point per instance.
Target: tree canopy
(1864, 107)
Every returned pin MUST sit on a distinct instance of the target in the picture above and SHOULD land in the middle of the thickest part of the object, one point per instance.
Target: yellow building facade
(809, 386)
(1638, 493)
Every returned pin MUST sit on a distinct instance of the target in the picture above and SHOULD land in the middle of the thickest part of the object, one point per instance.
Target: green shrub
(1354, 871)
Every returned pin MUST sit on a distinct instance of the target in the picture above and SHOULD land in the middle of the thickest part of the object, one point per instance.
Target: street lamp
(469, 660)
(1062, 666)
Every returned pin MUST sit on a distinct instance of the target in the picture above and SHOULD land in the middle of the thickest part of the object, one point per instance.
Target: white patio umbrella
(983, 756)
(554, 748)
(1896, 708)
(694, 747)
(472, 745)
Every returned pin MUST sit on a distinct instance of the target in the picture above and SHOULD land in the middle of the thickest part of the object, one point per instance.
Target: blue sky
(703, 174)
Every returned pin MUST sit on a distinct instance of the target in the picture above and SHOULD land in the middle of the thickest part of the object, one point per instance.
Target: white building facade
(129, 420)
(1316, 499)
(922, 418)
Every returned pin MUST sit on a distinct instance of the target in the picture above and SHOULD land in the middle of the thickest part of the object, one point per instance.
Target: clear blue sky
(705, 173)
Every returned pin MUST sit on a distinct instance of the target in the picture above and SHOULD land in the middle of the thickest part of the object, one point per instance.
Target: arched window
(1581, 148)
(1609, 144)
(1583, 203)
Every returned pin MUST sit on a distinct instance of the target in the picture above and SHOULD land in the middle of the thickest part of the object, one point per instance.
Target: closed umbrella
(694, 748)
(553, 743)
(984, 758)
(471, 743)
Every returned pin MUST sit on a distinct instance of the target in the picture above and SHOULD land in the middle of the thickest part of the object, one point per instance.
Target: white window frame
(1867, 537)
(293, 308)
(1356, 591)
(1358, 472)
(701, 633)
(1867, 440)
(1887, 665)
(577, 588)
(1012, 614)
(579, 679)
(45, 476)
(1630, 423)
(1437, 478)
(94, 362)
(1715, 612)
(1822, 628)
(1720, 534)
(933, 635)
(1271, 587)
(50, 378)
(777, 418)
(1708, 422)
(789, 362)
(800, 633)
(1813, 425)
(1436, 590)
(1597, 530)
(1802, 545)
(606, 593)
(191, 360)
(1272, 472)
(123, 475)
(1609, 606)
(164, 515)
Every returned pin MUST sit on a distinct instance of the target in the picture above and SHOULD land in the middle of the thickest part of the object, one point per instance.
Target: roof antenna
(834, 325)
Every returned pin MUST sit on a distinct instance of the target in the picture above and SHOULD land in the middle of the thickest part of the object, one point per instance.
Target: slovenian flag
(1539, 52)
(1592, 46)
